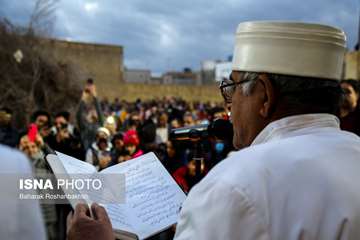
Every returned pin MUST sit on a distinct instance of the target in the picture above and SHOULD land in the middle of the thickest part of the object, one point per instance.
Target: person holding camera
(64, 137)
(9, 135)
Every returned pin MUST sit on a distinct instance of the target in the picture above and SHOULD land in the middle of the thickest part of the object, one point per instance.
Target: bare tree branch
(43, 17)
(38, 80)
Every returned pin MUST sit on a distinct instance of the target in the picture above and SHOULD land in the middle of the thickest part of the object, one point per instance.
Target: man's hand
(82, 226)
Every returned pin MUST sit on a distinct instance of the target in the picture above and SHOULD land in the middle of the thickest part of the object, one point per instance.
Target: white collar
(296, 125)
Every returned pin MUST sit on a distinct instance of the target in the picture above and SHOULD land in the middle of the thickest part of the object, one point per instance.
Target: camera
(63, 126)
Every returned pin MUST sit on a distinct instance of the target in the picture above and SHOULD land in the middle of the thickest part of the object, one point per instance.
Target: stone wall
(132, 91)
(103, 63)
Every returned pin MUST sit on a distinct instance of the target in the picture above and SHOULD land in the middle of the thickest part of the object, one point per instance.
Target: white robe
(300, 179)
(19, 219)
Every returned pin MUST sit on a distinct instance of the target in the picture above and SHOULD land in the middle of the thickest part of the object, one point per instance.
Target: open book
(152, 197)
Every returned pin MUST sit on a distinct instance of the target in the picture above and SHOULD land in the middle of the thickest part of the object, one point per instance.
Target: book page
(59, 170)
(75, 166)
(112, 185)
(153, 197)
(64, 164)
(121, 218)
(56, 165)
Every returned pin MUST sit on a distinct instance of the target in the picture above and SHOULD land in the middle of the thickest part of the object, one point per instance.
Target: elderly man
(296, 175)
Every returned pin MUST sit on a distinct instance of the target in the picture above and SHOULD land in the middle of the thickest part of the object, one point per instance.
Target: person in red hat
(131, 142)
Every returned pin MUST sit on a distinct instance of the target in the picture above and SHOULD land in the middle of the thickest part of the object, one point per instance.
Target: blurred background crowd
(105, 133)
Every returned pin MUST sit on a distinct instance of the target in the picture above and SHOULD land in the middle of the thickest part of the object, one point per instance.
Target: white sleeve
(219, 211)
(19, 219)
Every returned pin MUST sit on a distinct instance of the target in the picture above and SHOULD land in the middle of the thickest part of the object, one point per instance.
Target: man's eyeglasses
(228, 87)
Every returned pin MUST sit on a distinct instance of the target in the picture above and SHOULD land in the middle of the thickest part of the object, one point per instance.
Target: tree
(30, 77)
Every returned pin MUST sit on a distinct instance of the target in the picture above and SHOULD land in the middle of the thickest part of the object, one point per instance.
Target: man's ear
(269, 97)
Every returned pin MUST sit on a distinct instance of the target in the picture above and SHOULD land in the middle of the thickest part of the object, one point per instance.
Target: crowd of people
(106, 133)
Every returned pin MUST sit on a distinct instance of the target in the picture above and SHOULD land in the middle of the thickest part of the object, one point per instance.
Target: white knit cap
(290, 48)
(104, 130)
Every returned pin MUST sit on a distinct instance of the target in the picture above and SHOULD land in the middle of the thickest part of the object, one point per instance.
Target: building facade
(352, 65)
(181, 78)
(137, 76)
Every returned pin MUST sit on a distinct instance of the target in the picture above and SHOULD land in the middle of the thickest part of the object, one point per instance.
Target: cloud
(91, 6)
(163, 35)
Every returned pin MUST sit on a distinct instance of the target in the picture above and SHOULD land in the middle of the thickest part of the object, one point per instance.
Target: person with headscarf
(99, 153)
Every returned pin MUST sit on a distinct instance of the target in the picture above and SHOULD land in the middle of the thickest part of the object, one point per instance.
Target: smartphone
(32, 132)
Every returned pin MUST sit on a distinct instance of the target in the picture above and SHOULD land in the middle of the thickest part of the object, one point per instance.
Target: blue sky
(172, 34)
